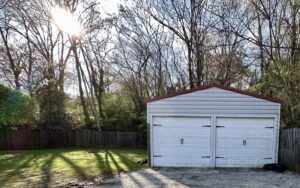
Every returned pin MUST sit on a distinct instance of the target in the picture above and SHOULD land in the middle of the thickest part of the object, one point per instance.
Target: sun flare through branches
(66, 21)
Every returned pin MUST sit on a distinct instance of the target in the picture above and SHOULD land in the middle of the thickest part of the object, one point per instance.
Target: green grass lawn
(43, 167)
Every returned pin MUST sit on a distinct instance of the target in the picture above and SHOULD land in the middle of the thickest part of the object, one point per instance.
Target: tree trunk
(83, 103)
(190, 68)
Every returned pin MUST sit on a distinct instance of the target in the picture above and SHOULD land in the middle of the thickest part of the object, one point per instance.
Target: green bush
(283, 82)
(51, 102)
(119, 114)
(74, 111)
(16, 108)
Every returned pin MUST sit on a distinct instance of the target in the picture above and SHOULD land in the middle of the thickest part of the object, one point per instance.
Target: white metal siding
(213, 101)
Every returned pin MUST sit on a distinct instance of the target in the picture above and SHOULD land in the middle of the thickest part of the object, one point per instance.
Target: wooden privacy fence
(26, 138)
(289, 148)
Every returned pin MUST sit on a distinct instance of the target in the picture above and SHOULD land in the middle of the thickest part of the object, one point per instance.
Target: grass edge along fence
(27, 138)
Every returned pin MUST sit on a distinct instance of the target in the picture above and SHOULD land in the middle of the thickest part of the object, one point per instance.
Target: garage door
(244, 142)
(181, 141)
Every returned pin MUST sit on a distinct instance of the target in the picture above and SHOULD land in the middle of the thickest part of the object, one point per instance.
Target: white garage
(212, 126)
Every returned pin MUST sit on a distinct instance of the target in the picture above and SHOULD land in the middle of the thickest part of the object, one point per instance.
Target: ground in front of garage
(203, 177)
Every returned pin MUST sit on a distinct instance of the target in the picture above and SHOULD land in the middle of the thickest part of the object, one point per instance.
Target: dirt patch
(87, 182)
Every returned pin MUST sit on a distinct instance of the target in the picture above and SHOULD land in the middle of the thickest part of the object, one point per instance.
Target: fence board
(289, 148)
(26, 138)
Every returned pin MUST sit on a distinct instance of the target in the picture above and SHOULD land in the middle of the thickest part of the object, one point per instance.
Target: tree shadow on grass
(37, 168)
(109, 161)
(22, 166)
(48, 174)
(44, 174)
(17, 168)
(10, 162)
(46, 171)
(119, 169)
(155, 177)
(106, 161)
(128, 162)
(102, 164)
(79, 171)
(8, 159)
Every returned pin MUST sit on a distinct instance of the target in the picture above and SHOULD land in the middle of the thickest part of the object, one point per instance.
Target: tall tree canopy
(55, 50)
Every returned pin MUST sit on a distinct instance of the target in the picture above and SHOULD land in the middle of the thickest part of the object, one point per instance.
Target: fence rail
(26, 138)
(289, 148)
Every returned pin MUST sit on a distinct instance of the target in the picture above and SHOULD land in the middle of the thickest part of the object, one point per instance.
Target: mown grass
(43, 167)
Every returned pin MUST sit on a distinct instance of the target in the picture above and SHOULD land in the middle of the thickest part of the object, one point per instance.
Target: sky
(111, 6)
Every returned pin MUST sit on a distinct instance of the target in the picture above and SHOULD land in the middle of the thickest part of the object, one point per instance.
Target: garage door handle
(244, 142)
(181, 141)
(220, 126)
(220, 157)
(206, 126)
(157, 125)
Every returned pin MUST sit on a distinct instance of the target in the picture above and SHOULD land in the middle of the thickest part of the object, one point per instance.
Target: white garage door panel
(173, 162)
(168, 149)
(242, 162)
(258, 148)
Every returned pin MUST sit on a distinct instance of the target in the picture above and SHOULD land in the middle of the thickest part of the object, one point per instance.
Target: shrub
(51, 102)
(119, 114)
(16, 108)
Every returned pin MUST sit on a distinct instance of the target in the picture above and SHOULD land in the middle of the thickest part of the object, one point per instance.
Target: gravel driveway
(203, 177)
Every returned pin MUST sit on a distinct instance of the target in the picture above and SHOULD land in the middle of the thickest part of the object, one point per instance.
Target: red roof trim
(210, 86)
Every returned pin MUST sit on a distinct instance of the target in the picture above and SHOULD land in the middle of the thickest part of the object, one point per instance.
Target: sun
(66, 21)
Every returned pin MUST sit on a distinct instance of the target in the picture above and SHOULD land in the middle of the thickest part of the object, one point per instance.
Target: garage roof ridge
(211, 86)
